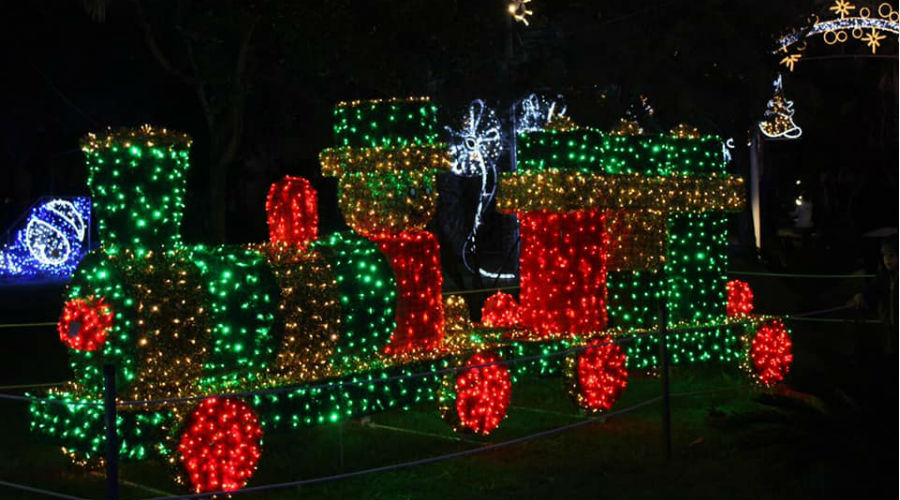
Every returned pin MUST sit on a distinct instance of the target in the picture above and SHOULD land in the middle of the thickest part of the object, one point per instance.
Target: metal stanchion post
(112, 438)
(664, 366)
(341, 445)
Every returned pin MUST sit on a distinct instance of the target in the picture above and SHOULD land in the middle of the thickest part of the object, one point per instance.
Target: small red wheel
(220, 445)
(597, 376)
(769, 354)
(476, 399)
(85, 323)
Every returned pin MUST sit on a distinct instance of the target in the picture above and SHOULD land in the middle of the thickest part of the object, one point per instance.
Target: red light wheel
(85, 323)
(769, 356)
(220, 445)
(597, 376)
(475, 399)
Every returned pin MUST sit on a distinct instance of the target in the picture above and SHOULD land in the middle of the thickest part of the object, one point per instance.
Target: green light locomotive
(212, 346)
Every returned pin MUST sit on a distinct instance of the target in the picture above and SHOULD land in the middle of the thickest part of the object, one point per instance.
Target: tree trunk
(225, 125)
(217, 181)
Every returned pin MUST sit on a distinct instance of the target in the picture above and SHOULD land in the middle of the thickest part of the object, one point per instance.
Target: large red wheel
(476, 398)
(220, 445)
(597, 376)
(769, 356)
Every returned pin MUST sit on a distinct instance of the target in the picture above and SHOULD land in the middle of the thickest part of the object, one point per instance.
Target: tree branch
(239, 93)
(152, 44)
(200, 86)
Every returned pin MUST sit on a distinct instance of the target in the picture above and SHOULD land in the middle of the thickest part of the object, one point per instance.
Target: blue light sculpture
(50, 242)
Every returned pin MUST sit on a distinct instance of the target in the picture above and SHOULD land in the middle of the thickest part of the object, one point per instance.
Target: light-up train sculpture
(303, 330)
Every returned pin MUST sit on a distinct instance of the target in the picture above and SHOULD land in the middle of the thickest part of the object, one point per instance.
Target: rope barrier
(333, 384)
(356, 382)
(821, 311)
(804, 316)
(709, 391)
(455, 438)
(27, 325)
(415, 463)
(794, 275)
(480, 290)
(40, 491)
(408, 376)
(482, 448)
(350, 383)
(388, 468)
(544, 412)
(30, 399)
(737, 273)
(835, 320)
(29, 386)
(412, 376)
(133, 484)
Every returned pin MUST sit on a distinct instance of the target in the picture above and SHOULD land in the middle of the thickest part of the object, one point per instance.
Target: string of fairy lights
(778, 121)
(475, 148)
(476, 145)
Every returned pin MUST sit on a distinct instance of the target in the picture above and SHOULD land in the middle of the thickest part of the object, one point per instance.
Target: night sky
(72, 67)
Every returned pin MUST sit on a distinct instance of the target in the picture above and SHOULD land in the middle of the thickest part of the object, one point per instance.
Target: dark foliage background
(254, 83)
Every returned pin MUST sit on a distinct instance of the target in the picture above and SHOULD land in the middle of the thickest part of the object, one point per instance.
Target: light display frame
(862, 25)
